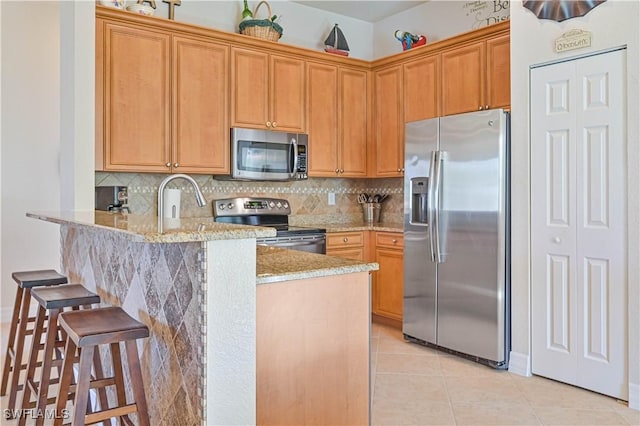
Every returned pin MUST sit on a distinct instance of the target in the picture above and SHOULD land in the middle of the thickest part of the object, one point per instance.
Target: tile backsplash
(308, 198)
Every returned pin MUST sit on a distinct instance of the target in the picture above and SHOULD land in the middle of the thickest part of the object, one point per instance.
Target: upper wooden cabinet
(337, 121)
(422, 88)
(388, 122)
(267, 91)
(161, 101)
(476, 76)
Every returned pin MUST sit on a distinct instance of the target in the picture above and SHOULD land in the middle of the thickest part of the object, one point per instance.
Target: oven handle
(294, 145)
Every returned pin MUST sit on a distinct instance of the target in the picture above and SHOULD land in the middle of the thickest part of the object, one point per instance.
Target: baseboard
(634, 396)
(519, 364)
(378, 319)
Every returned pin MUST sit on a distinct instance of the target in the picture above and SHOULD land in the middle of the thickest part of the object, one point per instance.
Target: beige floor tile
(391, 345)
(454, 366)
(426, 414)
(541, 392)
(493, 414)
(386, 331)
(393, 390)
(632, 417)
(572, 416)
(408, 364)
(498, 389)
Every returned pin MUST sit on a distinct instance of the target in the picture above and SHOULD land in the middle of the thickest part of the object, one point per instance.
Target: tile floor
(413, 385)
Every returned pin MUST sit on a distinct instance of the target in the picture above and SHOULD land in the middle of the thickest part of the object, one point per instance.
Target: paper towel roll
(171, 204)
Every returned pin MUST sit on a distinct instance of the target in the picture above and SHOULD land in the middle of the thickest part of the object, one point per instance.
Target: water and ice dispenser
(419, 200)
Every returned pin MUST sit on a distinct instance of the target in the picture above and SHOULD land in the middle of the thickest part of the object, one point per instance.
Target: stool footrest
(111, 412)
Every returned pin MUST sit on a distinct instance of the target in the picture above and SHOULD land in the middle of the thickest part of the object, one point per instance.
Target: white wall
(303, 25)
(614, 23)
(437, 20)
(31, 138)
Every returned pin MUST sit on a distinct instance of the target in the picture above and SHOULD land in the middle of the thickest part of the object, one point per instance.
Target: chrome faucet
(199, 197)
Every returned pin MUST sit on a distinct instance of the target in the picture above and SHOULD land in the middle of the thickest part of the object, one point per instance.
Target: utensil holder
(371, 212)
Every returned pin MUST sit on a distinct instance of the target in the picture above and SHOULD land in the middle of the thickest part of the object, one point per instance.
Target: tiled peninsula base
(198, 300)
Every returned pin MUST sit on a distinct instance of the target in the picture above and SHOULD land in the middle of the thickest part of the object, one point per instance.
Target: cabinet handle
(268, 124)
(168, 164)
(345, 239)
(274, 124)
(176, 165)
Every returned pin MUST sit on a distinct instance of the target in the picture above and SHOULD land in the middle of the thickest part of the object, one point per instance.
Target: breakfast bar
(197, 286)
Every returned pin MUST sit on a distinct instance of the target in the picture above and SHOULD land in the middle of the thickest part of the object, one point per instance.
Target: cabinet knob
(402, 170)
(345, 239)
(557, 240)
(337, 171)
(176, 164)
(394, 241)
(480, 108)
(274, 124)
(486, 107)
(398, 169)
(168, 164)
(268, 124)
(341, 170)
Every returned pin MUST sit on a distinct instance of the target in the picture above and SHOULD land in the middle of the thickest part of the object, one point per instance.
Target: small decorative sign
(574, 39)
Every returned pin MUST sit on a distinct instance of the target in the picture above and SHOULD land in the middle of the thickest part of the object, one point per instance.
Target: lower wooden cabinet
(387, 285)
(385, 248)
(348, 245)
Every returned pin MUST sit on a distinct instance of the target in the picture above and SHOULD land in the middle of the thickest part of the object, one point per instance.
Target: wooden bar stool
(86, 330)
(18, 331)
(54, 300)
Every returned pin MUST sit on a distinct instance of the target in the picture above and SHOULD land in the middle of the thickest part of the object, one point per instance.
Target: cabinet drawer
(355, 253)
(389, 239)
(345, 239)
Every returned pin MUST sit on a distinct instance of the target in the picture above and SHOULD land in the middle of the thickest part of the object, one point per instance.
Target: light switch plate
(332, 199)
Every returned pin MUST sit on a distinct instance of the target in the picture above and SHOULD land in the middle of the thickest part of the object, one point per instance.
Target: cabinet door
(389, 122)
(422, 89)
(249, 88)
(322, 118)
(287, 94)
(499, 72)
(136, 99)
(353, 123)
(200, 116)
(387, 282)
(463, 79)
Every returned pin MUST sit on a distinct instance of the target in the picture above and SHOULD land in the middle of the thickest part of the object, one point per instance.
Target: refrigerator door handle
(437, 186)
(431, 205)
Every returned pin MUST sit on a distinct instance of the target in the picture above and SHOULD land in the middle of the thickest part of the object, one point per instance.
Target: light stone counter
(277, 264)
(139, 228)
(359, 226)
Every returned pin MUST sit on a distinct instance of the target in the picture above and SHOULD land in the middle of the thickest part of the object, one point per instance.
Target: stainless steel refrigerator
(456, 235)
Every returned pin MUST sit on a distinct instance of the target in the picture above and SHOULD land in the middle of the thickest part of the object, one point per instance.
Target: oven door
(263, 155)
(311, 244)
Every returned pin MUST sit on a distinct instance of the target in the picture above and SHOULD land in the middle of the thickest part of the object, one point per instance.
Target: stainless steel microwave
(268, 155)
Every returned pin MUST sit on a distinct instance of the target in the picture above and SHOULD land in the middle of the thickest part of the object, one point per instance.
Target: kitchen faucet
(199, 197)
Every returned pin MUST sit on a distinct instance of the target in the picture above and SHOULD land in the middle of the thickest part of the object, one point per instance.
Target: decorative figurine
(336, 43)
(409, 40)
(172, 6)
(246, 12)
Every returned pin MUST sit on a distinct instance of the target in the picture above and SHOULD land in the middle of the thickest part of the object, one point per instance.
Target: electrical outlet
(332, 199)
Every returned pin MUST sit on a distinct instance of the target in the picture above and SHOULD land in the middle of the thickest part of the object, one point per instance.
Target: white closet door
(578, 239)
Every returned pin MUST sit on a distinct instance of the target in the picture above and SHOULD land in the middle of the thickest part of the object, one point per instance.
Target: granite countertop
(360, 226)
(276, 264)
(142, 228)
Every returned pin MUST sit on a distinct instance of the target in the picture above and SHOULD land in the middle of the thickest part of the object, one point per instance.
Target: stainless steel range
(273, 212)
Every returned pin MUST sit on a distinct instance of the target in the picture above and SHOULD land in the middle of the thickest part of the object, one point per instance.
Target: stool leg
(19, 348)
(33, 360)
(136, 382)
(99, 374)
(11, 342)
(65, 381)
(45, 371)
(118, 376)
(82, 388)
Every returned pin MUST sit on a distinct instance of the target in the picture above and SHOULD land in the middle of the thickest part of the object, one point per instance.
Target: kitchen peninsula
(221, 348)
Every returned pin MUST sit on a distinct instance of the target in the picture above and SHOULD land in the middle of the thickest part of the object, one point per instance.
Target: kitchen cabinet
(348, 245)
(422, 88)
(162, 101)
(387, 282)
(388, 122)
(476, 76)
(337, 121)
(267, 91)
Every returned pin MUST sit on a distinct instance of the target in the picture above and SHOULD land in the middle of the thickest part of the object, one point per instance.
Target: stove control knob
(230, 206)
(271, 204)
(285, 205)
(221, 206)
(279, 205)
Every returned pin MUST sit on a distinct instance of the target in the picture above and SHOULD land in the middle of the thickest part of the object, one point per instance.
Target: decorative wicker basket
(261, 28)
